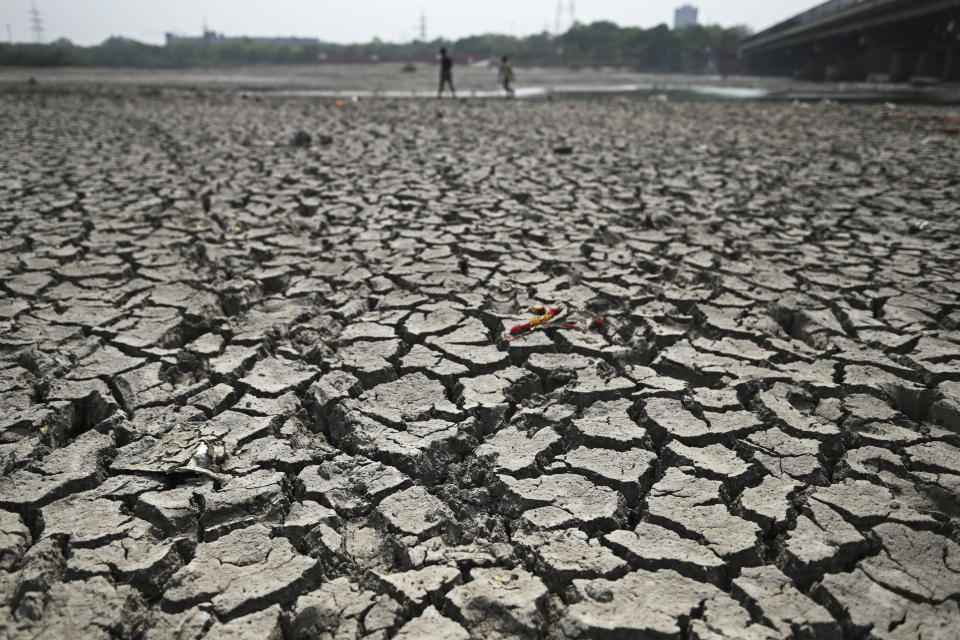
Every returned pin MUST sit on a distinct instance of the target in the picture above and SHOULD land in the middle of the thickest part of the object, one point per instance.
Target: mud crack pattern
(255, 391)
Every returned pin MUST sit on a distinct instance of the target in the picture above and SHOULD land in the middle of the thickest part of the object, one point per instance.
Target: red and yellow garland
(550, 319)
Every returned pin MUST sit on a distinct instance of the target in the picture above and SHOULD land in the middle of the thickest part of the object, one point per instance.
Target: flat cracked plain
(253, 390)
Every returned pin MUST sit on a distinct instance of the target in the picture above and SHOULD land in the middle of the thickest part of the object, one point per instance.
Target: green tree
(596, 44)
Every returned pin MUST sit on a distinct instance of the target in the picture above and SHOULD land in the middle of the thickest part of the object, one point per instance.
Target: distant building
(214, 38)
(685, 16)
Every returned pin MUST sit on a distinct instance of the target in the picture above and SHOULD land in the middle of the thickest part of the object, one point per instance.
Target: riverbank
(476, 81)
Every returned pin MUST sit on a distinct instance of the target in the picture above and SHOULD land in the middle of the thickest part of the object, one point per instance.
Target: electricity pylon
(565, 9)
(36, 23)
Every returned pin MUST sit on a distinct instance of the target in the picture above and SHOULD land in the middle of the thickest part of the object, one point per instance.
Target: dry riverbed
(255, 390)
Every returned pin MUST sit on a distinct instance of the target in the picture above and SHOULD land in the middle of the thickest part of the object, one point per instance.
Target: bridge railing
(818, 12)
(825, 9)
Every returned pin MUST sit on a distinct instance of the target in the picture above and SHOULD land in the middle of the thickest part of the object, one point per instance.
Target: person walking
(506, 76)
(446, 73)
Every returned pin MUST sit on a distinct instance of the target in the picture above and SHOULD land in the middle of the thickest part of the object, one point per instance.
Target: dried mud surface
(258, 391)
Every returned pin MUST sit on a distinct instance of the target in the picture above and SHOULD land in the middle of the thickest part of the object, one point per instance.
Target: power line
(567, 9)
(36, 23)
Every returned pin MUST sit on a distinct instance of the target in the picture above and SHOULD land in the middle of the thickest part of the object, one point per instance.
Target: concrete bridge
(882, 40)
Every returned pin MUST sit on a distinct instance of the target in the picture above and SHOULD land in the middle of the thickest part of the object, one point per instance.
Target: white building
(685, 16)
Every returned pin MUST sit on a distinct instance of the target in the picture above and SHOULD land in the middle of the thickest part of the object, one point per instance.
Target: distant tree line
(659, 48)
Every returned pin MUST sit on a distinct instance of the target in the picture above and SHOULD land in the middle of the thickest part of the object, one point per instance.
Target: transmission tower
(36, 23)
(566, 14)
(423, 25)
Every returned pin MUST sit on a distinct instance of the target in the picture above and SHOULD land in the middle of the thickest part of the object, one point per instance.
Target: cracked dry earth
(255, 391)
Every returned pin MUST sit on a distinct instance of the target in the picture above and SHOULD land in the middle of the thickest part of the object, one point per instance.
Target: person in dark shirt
(446, 73)
(506, 76)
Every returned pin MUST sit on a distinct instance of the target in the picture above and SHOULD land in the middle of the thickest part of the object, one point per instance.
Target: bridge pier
(951, 64)
(902, 64)
(876, 64)
(844, 68)
(809, 68)
(930, 63)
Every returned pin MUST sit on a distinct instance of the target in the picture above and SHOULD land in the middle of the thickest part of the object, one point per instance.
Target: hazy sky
(91, 21)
